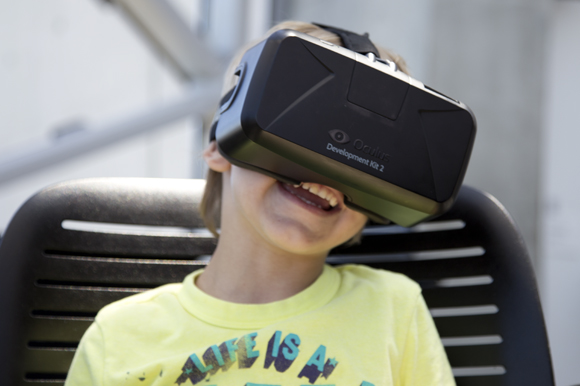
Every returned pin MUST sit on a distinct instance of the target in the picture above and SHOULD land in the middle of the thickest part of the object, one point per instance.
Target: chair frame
(56, 278)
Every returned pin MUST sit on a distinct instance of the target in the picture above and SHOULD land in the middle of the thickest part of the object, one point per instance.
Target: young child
(267, 310)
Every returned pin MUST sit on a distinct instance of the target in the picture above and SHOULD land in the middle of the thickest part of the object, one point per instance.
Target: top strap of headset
(353, 41)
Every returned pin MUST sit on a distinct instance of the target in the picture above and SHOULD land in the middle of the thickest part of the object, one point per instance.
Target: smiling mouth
(314, 194)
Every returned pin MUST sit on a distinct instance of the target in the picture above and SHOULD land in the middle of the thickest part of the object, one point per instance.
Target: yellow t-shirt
(353, 326)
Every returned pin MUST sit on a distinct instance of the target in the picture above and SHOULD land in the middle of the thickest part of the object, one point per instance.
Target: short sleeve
(424, 359)
(87, 367)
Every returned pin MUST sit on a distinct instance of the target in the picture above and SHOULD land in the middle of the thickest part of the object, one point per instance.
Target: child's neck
(242, 271)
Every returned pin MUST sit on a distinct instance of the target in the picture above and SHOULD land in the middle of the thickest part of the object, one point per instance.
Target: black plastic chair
(56, 274)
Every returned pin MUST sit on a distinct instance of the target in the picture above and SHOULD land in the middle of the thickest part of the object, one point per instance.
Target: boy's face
(289, 218)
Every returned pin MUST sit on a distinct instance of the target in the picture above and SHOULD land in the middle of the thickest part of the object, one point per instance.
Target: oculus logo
(339, 136)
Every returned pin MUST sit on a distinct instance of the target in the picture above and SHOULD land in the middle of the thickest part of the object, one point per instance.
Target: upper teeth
(321, 191)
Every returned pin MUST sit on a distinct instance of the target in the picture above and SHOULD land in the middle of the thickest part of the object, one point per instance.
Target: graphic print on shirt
(280, 354)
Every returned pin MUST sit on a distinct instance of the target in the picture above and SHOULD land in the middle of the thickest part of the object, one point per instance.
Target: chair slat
(481, 355)
(115, 270)
(473, 325)
(47, 361)
(40, 382)
(76, 300)
(63, 330)
(488, 380)
(118, 245)
(417, 241)
(459, 296)
(435, 269)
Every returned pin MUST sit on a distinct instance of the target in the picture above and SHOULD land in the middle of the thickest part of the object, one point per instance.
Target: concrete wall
(63, 61)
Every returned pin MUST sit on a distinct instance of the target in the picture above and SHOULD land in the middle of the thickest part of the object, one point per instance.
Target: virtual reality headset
(306, 110)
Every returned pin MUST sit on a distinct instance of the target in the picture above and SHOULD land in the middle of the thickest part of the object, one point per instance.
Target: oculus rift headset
(306, 110)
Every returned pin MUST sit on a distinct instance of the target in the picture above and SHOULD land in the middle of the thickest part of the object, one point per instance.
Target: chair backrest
(64, 256)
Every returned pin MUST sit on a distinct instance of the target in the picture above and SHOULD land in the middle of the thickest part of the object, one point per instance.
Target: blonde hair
(210, 206)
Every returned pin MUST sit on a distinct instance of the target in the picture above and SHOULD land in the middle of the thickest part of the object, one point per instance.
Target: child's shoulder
(141, 305)
(355, 276)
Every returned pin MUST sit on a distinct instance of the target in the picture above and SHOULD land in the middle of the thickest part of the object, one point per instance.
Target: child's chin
(299, 242)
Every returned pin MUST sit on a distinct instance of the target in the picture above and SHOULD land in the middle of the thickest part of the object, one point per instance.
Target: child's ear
(214, 159)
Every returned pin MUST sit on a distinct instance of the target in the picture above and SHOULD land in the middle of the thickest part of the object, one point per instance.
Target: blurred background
(103, 88)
